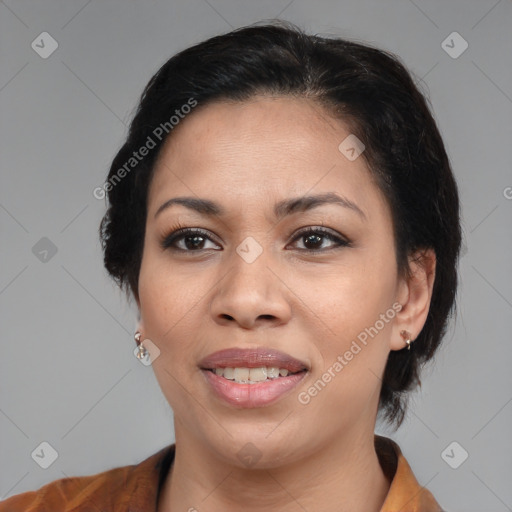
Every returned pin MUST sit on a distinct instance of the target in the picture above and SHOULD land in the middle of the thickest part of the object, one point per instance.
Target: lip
(252, 358)
(252, 395)
(245, 396)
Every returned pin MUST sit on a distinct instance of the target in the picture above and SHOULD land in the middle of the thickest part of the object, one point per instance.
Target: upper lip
(252, 358)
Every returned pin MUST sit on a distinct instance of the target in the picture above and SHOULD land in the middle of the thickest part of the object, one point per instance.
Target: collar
(137, 487)
(405, 493)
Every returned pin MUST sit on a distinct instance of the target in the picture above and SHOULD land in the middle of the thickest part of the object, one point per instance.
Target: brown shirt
(136, 488)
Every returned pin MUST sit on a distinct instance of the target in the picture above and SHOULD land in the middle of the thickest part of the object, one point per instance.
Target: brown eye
(314, 238)
(191, 240)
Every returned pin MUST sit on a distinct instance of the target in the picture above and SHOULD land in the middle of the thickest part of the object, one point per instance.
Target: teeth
(272, 372)
(229, 373)
(251, 375)
(241, 374)
(258, 374)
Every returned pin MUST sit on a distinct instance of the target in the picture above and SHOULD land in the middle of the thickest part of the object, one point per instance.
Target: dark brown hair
(368, 88)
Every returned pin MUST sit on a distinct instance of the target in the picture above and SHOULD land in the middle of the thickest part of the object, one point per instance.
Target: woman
(284, 214)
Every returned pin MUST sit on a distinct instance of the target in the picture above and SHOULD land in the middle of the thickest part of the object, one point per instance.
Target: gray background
(68, 375)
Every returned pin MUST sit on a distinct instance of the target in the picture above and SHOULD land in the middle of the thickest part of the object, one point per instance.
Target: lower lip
(252, 395)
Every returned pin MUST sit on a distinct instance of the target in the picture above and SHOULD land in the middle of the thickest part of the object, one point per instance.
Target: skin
(308, 303)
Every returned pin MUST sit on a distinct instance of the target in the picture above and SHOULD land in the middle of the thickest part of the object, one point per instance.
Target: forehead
(260, 148)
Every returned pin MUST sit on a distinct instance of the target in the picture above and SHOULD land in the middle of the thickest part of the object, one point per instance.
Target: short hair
(366, 87)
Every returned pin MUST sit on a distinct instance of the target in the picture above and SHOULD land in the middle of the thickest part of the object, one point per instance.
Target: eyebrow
(281, 209)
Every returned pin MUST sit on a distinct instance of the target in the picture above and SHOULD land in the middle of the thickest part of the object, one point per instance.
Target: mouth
(248, 378)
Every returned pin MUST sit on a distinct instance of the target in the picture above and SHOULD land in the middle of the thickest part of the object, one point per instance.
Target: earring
(407, 337)
(142, 353)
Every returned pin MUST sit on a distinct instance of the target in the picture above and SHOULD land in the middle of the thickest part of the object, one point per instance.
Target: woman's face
(254, 280)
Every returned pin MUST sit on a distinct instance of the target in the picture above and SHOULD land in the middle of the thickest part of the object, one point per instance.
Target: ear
(414, 294)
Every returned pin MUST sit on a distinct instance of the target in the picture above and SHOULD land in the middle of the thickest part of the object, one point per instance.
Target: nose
(251, 295)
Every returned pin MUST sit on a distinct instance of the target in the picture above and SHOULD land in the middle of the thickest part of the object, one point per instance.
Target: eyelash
(180, 232)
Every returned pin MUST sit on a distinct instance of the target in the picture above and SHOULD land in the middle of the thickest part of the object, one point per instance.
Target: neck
(343, 476)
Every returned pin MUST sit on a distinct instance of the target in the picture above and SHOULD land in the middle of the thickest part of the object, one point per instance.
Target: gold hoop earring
(407, 337)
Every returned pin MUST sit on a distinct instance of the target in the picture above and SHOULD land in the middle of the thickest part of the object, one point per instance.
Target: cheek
(169, 303)
(169, 319)
(350, 297)
(350, 363)
(352, 338)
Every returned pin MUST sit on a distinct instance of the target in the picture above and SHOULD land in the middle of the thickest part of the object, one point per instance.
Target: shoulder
(105, 491)
(68, 493)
